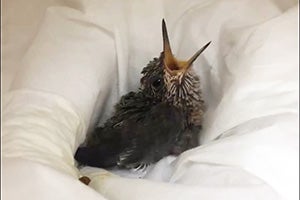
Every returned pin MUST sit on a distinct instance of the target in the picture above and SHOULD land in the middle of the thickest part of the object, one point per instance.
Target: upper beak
(169, 60)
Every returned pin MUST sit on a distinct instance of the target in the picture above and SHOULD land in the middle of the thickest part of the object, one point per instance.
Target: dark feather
(134, 135)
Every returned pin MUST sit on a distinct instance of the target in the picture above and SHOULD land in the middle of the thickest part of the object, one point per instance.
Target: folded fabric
(85, 56)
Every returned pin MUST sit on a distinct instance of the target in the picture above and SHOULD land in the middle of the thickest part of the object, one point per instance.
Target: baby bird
(163, 117)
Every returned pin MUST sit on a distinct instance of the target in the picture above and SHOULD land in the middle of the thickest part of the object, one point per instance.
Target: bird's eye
(156, 83)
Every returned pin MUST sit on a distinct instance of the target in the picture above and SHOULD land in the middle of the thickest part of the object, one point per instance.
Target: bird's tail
(101, 149)
(97, 156)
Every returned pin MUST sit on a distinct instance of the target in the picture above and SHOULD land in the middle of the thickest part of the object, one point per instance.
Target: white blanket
(66, 63)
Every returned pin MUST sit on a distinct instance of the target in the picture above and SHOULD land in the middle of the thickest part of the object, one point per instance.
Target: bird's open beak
(170, 62)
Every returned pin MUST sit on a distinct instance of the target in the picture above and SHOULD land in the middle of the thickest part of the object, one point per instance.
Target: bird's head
(168, 79)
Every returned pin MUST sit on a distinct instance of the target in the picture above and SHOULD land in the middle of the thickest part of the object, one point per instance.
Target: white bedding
(65, 64)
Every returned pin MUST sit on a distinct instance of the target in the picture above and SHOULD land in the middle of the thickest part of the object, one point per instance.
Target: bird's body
(163, 117)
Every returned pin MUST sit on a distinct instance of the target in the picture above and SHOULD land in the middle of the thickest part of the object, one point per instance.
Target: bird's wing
(152, 138)
(138, 132)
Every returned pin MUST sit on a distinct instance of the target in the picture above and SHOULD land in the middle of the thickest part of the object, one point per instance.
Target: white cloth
(75, 60)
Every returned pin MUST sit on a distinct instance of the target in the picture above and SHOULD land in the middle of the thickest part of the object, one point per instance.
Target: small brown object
(86, 180)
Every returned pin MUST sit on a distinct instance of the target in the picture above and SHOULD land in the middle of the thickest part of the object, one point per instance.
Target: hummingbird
(163, 117)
